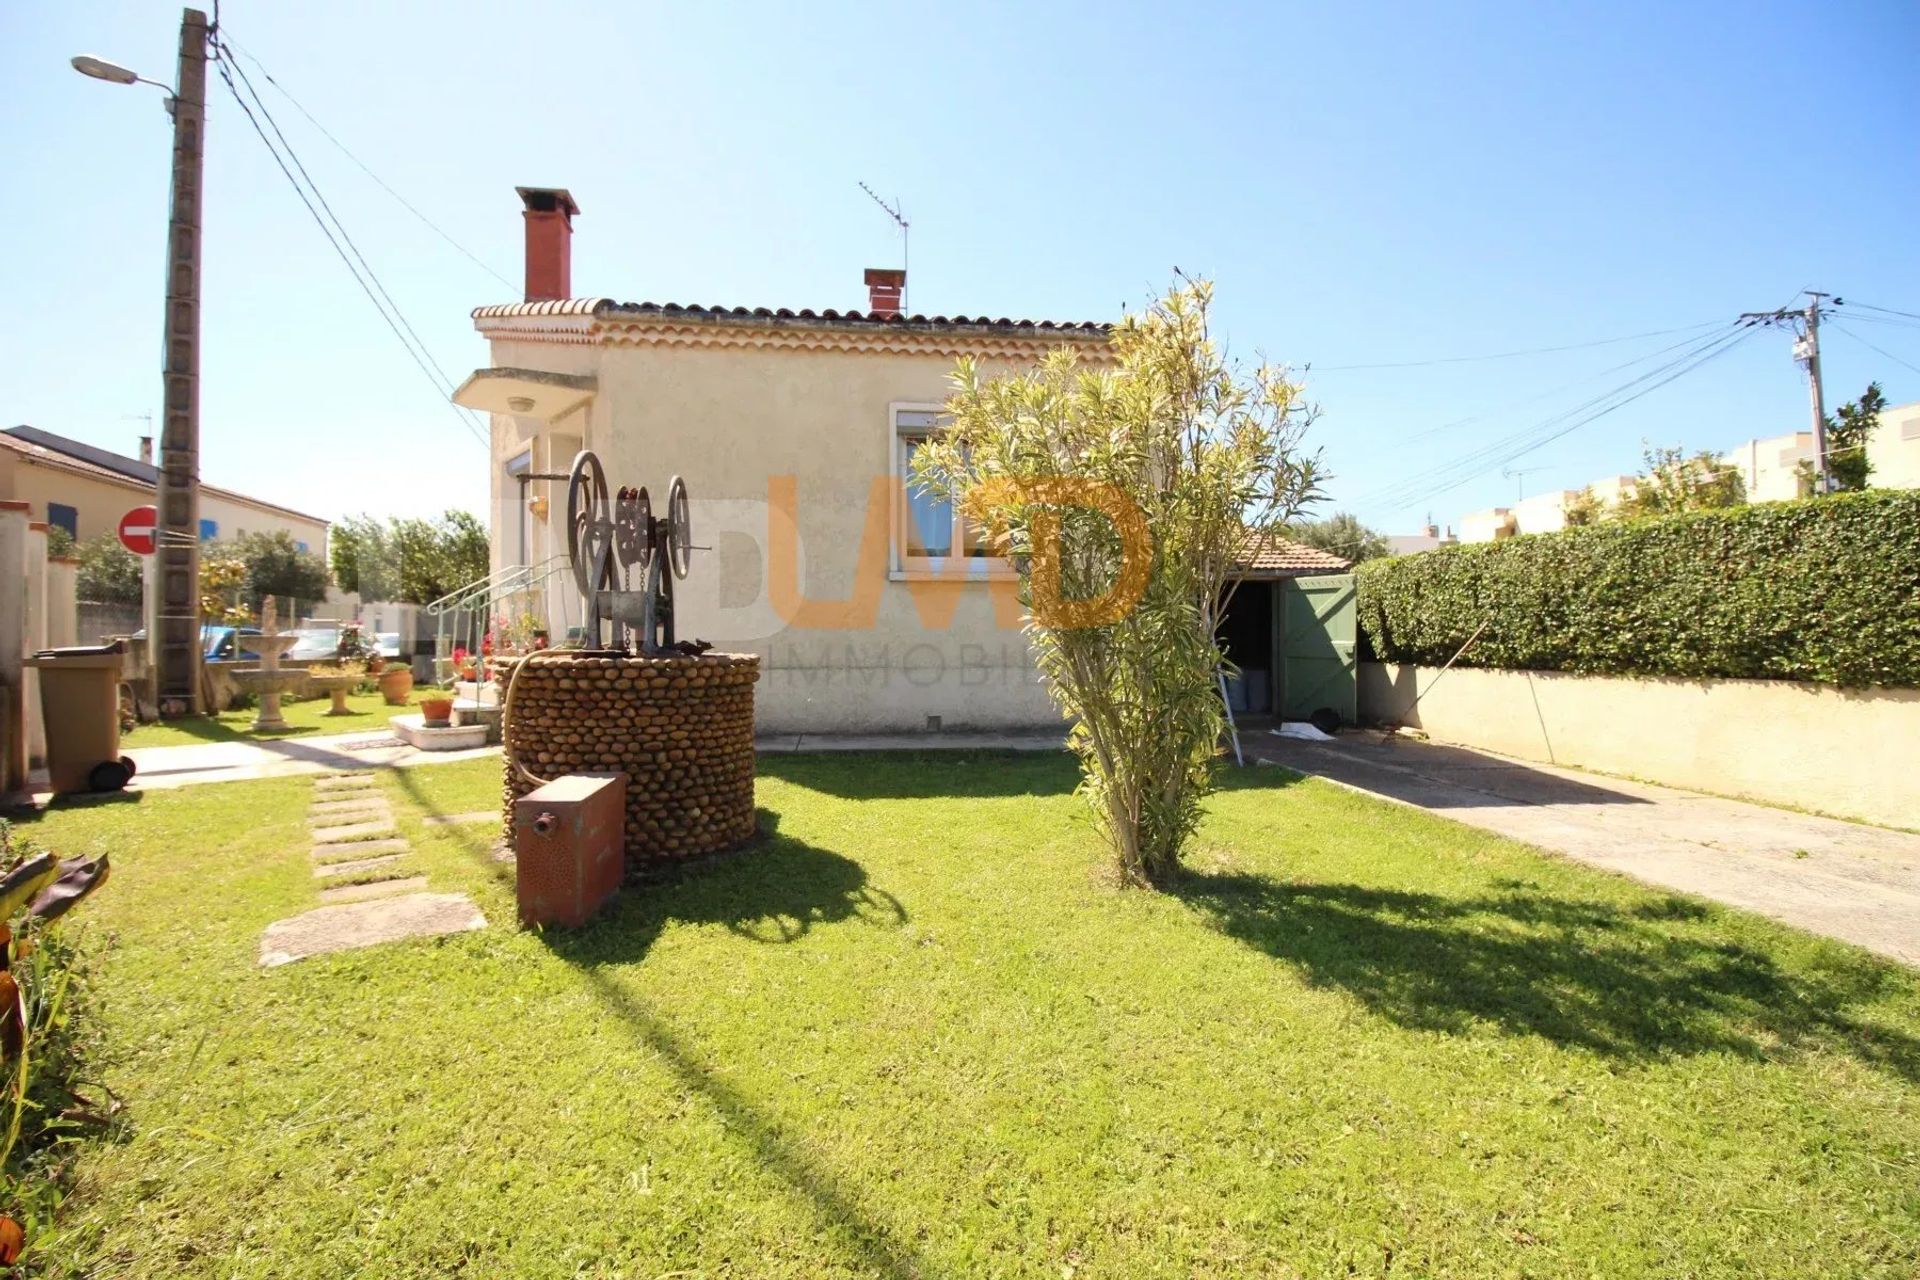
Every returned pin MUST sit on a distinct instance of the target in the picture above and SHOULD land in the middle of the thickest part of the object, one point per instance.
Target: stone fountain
(269, 680)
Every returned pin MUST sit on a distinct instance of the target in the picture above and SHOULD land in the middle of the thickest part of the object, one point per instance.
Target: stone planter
(680, 728)
(396, 684)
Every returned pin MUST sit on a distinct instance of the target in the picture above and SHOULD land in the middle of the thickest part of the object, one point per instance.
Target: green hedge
(1825, 589)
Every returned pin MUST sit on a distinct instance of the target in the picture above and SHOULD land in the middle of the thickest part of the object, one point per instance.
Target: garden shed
(1290, 628)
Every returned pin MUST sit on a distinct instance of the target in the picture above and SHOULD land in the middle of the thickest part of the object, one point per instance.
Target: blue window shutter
(65, 517)
(209, 530)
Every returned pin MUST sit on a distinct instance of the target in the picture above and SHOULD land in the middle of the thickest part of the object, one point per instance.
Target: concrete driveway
(1841, 879)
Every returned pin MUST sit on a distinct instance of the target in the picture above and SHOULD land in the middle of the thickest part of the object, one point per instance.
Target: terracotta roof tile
(1283, 556)
(600, 307)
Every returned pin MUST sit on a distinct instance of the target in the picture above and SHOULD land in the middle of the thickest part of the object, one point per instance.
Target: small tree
(1342, 534)
(1120, 497)
(109, 573)
(1582, 509)
(361, 561)
(274, 565)
(1673, 483)
(412, 560)
(1848, 430)
(223, 585)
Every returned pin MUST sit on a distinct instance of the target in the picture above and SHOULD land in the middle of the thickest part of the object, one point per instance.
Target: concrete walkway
(1841, 879)
(163, 767)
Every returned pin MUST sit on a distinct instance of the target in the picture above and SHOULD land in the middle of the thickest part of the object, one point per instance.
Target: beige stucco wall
(1894, 448)
(1845, 752)
(99, 503)
(1769, 468)
(729, 420)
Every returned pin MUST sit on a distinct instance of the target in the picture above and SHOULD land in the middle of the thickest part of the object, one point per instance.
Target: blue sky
(1365, 183)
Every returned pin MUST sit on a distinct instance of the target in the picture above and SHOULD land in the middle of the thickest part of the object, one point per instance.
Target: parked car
(227, 644)
(317, 644)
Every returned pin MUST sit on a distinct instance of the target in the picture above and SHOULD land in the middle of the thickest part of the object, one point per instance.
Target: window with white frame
(928, 534)
(518, 468)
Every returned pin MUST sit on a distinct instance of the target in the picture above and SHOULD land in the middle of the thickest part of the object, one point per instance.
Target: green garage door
(1316, 631)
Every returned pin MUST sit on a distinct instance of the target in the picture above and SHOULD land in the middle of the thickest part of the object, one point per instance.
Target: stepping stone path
(359, 861)
(349, 925)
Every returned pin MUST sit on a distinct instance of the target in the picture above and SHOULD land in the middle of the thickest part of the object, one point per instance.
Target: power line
(442, 384)
(1910, 315)
(353, 248)
(1863, 342)
(1895, 321)
(1415, 489)
(1549, 393)
(365, 168)
(1509, 355)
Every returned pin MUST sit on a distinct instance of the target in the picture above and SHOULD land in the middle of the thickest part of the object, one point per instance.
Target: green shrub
(1825, 589)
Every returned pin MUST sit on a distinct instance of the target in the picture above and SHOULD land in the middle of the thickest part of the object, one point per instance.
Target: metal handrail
(471, 604)
(500, 579)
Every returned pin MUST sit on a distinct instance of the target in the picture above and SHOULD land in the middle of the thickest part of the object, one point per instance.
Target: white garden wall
(1853, 753)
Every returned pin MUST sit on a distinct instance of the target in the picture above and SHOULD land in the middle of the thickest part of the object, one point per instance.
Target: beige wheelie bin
(80, 698)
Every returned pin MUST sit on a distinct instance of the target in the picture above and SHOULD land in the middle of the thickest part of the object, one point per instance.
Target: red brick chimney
(549, 216)
(884, 287)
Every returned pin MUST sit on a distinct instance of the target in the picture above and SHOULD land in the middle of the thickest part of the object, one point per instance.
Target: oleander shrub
(1825, 589)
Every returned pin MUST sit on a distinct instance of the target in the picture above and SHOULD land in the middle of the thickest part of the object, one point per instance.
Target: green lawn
(308, 715)
(918, 1032)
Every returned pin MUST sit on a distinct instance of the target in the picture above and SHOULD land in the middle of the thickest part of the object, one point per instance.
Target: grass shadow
(1640, 983)
(775, 890)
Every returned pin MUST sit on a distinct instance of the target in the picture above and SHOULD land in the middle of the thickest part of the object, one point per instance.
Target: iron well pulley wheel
(589, 522)
(679, 528)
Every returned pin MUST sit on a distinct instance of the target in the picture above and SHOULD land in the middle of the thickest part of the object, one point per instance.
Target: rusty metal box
(569, 847)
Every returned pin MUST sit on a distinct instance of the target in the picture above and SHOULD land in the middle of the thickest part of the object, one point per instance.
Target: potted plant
(436, 707)
(396, 683)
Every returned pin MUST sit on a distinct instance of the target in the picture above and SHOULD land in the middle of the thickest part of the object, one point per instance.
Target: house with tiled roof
(871, 606)
(85, 489)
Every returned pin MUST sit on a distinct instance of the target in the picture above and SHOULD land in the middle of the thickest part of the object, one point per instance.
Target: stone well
(680, 728)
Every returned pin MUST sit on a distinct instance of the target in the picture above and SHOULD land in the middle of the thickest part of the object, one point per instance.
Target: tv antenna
(899, 220)
(1518, 475)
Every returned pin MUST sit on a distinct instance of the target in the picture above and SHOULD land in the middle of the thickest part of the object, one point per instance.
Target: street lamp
(174, 636)
(112, 72)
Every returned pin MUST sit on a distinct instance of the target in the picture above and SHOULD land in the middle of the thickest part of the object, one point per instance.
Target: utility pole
(176, 648)
(1806, 350)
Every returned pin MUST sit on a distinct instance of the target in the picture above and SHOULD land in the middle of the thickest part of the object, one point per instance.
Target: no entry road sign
(137, 530)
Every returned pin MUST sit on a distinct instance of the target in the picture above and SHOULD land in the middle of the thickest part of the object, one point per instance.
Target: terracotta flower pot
(436, 708)
(396, 684)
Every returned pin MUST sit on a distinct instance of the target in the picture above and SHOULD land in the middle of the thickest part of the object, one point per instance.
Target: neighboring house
(1488, 526)
(1541, 513)
(872, 607)
(1406, 544)
(85, 490)
(1769, 472)
(1894, 448)
(1770, 468)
